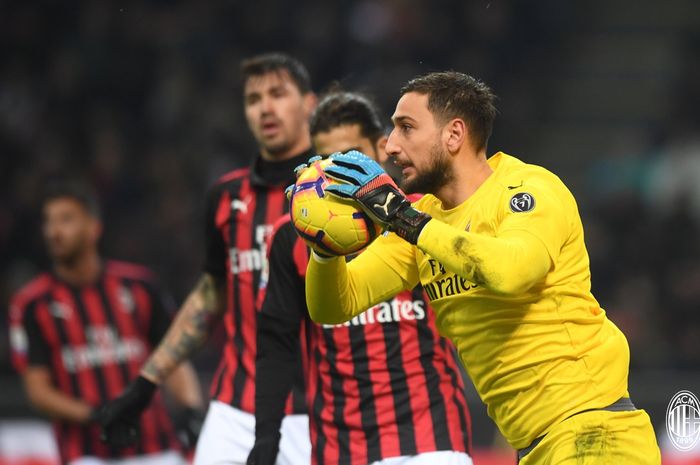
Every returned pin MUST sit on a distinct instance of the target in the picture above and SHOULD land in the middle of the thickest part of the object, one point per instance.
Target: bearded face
(432, 175)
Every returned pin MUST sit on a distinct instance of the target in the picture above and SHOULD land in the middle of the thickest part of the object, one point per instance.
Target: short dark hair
(72, 189)
(338, 108)
(458, 95)
(276, 61)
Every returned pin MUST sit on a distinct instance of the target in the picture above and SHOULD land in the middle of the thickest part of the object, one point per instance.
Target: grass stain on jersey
(590, 446)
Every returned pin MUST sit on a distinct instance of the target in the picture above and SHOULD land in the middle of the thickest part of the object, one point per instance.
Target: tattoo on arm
(190, 329)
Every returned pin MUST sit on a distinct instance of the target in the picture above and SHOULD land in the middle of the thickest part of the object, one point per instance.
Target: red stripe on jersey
(244, 214)
(352, 413)
(309, 345)
(76, 337)
(69, 438)
(231, 175)
(123, 320)
(127, 328)
(418, 389)
(18, 307)
(223, 214)
(381, 384)
(89, 387)
(32, 290)
(98, 318)
(326, 428)
(222, 388)
(245, 232)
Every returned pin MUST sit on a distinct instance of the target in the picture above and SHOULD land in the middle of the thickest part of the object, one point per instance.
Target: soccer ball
(328, 224)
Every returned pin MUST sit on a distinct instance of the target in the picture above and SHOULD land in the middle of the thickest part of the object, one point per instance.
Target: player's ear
(310, 102)
(95, 229)
(455, 134)
(380, 148)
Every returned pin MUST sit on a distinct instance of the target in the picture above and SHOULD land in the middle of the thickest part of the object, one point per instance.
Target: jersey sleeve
(284, 293)
(27, 345)
(542, 207)
(215, 246)
(279, 324)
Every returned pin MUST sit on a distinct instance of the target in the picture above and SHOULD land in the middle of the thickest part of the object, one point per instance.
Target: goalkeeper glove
(365, 181)
(119, 418)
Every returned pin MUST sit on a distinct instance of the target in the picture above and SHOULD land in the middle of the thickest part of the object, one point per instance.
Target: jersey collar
(276, 173)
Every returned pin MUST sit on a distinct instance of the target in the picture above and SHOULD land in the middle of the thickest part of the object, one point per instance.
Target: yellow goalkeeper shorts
(598, 437)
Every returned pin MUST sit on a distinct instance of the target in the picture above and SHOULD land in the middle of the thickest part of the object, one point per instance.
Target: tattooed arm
(190, 329)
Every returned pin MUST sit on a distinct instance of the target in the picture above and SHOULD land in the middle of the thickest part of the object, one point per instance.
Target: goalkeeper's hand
(365, 181)
(119, 418)
(297, 172)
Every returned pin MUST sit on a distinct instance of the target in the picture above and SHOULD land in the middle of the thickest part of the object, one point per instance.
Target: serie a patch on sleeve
(522, 202)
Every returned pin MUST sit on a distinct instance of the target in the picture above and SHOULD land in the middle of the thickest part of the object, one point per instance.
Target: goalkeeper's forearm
(327, 290)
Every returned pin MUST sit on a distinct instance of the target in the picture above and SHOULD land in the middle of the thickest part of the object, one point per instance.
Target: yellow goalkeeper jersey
(536, 344)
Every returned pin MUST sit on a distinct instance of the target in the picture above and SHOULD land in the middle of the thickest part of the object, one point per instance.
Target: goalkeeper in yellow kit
(498, 246)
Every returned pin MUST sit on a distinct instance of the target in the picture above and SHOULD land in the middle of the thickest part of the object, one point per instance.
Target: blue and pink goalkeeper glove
(365, 181)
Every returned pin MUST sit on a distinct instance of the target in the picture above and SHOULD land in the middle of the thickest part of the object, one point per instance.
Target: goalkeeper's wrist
(408, 223)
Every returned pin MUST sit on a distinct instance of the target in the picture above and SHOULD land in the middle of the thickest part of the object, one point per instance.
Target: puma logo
(239, 205)
(389, 197)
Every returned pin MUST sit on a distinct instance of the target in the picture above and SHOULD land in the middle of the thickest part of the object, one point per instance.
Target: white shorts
(161, 458)
(228, 435)
(441, 457)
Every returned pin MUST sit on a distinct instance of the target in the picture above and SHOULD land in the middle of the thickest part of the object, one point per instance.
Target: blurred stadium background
(142, 99)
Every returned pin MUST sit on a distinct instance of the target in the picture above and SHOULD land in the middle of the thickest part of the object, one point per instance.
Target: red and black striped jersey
(242, 209)
(382, 385)
(94, 339)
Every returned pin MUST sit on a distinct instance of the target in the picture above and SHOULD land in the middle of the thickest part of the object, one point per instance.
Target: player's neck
(469, 176)
(303, 145)
(83, 270)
